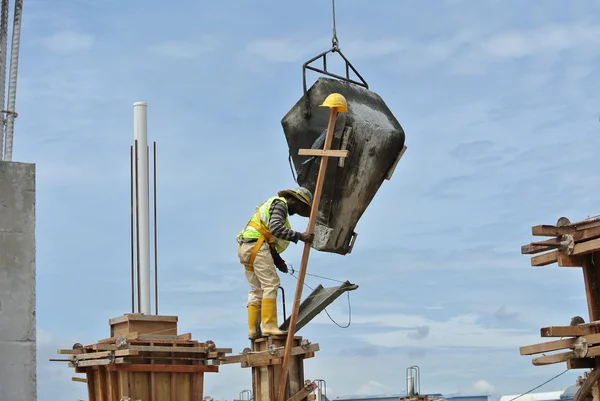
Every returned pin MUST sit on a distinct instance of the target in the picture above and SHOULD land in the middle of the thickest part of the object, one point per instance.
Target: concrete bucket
(375, 141)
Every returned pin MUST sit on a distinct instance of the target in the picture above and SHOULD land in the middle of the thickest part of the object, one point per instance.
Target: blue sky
(498, 101)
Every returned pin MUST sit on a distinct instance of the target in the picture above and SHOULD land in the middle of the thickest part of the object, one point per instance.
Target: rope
(328, 315)
(536, 387)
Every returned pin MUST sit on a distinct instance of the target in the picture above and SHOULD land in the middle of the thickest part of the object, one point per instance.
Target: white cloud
(373, 387)
(69, 42)
(483, 387)
(470, 51)
(399, 330)
(179, 49)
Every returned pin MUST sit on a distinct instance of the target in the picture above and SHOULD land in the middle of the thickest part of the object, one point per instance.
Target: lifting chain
(334, 39)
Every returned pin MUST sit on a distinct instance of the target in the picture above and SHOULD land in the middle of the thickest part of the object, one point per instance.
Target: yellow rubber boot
(269, 318)
(253, 322)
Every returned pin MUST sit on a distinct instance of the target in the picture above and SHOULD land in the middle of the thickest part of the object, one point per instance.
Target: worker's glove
(279, 262)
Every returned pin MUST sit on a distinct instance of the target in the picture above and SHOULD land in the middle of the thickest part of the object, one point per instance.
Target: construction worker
(267, 234)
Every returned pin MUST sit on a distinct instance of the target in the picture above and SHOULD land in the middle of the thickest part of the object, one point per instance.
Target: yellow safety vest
(258, 228)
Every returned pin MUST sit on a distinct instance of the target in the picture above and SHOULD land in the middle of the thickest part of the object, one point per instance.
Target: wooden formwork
(145, 359)
(265, 357)
(572, 245)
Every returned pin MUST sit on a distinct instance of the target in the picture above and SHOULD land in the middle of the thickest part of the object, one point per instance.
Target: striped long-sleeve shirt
(277, 227)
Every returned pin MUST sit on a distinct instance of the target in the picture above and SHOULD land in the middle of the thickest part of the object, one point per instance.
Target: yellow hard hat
(336, 100)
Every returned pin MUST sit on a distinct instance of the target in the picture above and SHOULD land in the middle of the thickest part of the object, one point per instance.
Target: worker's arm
(277, 223)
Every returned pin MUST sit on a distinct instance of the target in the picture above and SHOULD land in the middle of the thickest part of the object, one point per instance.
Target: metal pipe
(155, 238)
(131, 218)
(141, 134)
(137, 225)
(3, 50)
(283, 302)
(12, 83)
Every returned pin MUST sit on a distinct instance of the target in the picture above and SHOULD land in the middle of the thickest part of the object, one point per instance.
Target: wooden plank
(533, 249)
(570, 261)
(320, 152)
(185, 337)
(199, 383)
(173, 379)
(587, 385)
(552, 359)
(591, 283)
(545, 230)
(113, 385)
(97, 362)
(111, 343)
(105, 354)
(271, 380)
(552, 243)
(184, 388)
(194, 388)
(162, 368)
(563, 357)
(151, 348)
(91, 385)
(272, 339)
(70, 351)
(131, 335)
(547, 347)
(130, 317)
(584, 248)
(556, 345)
(304, 392)
(566, 331)
(79, 379)
(265, 356)
(102, 396)
(152, 382)
(544, 259)
(294, 381)
(581, 363)
(154, 337)
(124, 384)
(258, 364)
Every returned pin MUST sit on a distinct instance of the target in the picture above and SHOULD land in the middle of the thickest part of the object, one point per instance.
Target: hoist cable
(538, 386)
(291, 268)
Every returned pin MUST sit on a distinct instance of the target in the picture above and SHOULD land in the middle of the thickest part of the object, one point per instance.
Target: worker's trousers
(264, 280)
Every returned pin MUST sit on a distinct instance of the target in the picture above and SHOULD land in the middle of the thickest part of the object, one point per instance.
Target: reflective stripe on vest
(263, 212)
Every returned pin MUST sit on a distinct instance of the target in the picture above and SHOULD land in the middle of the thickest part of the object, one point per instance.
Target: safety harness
(265, 234)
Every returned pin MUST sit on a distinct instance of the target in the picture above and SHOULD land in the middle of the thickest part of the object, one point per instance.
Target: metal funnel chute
(371, 134)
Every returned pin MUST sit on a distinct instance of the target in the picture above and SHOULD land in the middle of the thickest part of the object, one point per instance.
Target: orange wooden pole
(304, 263)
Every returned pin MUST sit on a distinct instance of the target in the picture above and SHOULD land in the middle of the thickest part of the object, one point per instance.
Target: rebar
(131, 207)
(155, 238)
(137, 225)
(3, 50)
(12, 83)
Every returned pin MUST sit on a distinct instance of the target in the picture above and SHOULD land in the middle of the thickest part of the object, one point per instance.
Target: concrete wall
(17, 282)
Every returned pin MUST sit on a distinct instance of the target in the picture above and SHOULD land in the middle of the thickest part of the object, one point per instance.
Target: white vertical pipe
(411, 386)
(140, 127)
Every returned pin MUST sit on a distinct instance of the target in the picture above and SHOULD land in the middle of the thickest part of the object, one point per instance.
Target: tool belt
(265, 235)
